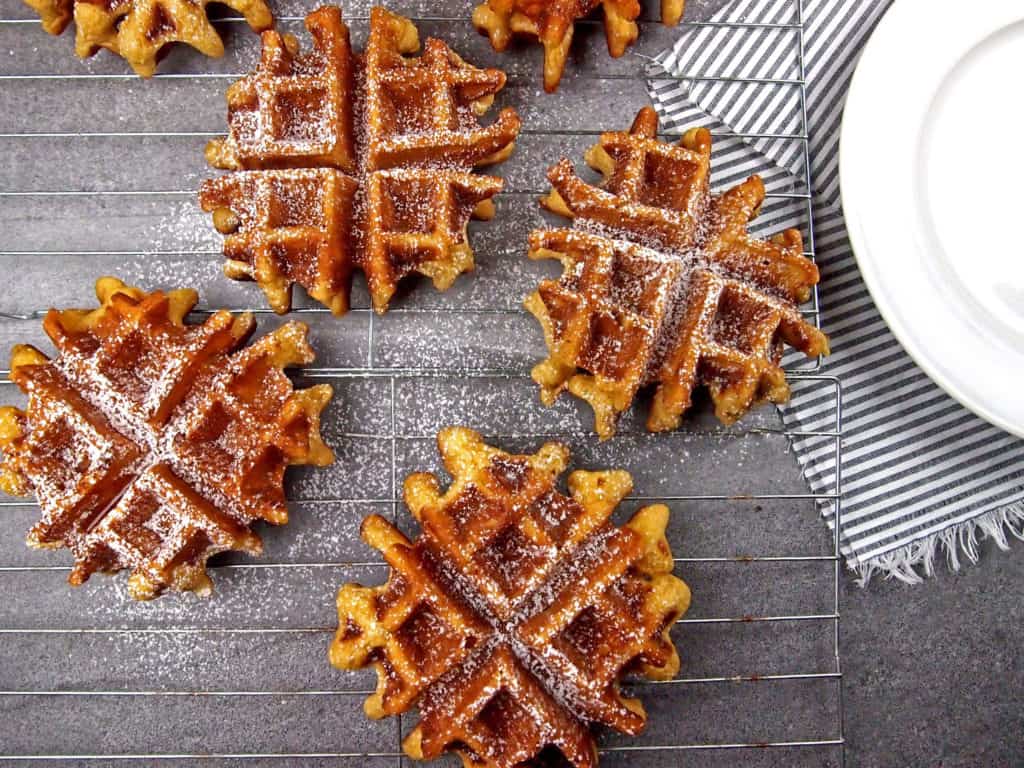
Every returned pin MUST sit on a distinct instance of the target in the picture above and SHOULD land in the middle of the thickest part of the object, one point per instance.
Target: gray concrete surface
(931, 672)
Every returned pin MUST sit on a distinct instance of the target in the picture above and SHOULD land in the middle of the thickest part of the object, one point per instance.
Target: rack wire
(830, 741)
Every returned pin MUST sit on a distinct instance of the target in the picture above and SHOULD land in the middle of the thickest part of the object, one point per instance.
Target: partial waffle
(551, 22)
(151, 443)
(138, 30)
(514, 615)
(355, 162)
(663, 286)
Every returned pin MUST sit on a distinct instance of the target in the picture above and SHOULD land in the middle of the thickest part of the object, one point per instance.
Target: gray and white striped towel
(918, 469)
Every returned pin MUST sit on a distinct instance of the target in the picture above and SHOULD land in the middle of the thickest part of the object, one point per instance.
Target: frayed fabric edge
(914, 562)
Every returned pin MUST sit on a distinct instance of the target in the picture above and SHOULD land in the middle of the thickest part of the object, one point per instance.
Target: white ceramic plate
(932, 174)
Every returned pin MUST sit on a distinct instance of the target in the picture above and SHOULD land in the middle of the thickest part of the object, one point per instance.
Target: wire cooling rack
(89, 678)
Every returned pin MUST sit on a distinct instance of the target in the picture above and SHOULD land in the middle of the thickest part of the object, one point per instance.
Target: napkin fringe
(915, 561)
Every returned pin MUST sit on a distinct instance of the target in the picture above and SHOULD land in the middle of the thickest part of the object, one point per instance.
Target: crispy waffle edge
(503, 20)
(141, 40)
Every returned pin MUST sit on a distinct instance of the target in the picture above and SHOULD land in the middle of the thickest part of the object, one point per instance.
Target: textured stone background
(931, 675)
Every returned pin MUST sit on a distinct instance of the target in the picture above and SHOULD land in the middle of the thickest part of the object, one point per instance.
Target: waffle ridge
(551, 22)
(662, 285)
(139, 30)
(152, 444)
(511, 619)
(346, 162)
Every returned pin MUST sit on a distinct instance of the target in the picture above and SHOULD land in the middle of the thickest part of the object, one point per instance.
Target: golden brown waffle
(663, 286)
(152, 444)
(512, 618)
(551, 22)
(138, 30)
(349, 162)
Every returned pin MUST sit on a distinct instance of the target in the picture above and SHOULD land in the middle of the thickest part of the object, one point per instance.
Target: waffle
(512, 618)
(152, 444)
(551, 22)
(350, 162)
(138, 30)
(663, 286)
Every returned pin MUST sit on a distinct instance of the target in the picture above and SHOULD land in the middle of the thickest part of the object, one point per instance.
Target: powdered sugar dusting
(150, 447)
(402, 132)
(663, 285)
(509, 580)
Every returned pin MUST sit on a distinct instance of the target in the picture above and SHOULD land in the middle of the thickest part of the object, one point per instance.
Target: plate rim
(854, 223)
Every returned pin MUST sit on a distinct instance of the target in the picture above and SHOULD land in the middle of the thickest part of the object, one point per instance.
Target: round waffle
(355, 162)
(511, 619)
(150, 443)
(663, 286)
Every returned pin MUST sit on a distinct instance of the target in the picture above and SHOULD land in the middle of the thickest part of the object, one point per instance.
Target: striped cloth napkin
(919, 471)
